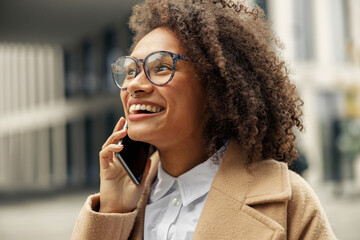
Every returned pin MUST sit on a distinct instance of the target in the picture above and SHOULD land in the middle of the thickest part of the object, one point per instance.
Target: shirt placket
(171, 214)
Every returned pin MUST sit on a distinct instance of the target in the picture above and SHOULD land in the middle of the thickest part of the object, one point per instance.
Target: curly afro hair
(248, 92)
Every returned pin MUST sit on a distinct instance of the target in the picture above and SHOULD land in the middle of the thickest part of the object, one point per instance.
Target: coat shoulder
(303, 198)
(301, 190)
(306, 217)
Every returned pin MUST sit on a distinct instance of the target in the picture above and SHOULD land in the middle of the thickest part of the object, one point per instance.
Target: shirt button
(176, 202)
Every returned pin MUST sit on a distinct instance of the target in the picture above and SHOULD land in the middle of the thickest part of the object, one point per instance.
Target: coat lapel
(246, 202)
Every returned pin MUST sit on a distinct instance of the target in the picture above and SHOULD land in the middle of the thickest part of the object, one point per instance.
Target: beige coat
(265, 201)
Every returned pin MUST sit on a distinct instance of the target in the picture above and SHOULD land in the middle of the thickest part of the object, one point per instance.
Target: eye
(130, 72)
(163, 68)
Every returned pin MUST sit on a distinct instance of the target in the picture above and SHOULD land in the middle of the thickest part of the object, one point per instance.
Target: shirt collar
(192, 184)
(162, 184)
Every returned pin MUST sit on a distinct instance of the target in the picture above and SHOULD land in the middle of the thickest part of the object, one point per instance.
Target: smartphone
(133, 157)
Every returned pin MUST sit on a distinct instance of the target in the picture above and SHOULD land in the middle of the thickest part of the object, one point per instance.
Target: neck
(179, 159)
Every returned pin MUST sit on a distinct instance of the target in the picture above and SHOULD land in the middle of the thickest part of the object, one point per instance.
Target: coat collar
(231, 209)
(261, 182)
(255, 182)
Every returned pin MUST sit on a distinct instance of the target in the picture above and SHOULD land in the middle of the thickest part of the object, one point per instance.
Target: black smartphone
(133, 157)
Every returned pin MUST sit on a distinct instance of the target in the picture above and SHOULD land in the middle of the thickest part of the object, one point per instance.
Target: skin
(176, 131)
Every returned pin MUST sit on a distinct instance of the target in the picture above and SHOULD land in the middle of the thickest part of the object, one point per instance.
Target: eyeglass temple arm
(182, 57)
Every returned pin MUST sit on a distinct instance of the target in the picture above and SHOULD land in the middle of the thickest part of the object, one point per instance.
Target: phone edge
(127, 169)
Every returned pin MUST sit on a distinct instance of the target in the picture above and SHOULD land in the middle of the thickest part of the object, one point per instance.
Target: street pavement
(49, 217)
(53, 217)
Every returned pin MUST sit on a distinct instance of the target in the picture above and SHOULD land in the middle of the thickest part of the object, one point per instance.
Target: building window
(90, 80)
(111, 52)
(72, 84)
(303, 30)
(340, 29)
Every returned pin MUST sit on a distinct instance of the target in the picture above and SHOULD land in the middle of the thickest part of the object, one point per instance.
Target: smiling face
(164, 115)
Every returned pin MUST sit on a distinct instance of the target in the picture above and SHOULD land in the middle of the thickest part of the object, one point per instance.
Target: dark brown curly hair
(249, 95)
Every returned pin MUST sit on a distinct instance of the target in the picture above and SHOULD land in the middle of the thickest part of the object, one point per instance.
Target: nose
(140, 84)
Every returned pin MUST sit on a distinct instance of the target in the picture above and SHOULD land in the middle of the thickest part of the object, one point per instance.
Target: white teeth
(134, 108)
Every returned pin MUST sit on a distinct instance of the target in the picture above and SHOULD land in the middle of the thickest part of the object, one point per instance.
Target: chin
(134, 135)
(138, 135)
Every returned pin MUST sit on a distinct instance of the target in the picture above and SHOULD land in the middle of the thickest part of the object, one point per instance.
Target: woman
(221, 114)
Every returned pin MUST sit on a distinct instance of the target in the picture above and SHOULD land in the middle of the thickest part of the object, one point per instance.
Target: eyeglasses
(159, 68)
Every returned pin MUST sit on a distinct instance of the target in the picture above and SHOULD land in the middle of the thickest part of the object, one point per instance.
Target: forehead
(159, 39)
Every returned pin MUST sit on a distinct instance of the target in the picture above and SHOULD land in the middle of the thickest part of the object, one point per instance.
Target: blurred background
(58, 104)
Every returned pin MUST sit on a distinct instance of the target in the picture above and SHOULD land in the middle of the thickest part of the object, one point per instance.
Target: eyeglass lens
(158, 66)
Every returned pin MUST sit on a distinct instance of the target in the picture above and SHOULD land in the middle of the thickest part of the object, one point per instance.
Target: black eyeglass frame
(175, 58)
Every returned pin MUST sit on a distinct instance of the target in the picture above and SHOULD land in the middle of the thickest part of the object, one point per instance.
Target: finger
(106, 155)
(146, 171)
(119, 125)
(115, 137)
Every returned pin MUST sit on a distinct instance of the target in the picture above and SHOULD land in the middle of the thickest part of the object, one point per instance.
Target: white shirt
(175, 204)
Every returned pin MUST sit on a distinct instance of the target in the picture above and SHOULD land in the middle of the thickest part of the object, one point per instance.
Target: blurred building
(322, 44)
(58, 102)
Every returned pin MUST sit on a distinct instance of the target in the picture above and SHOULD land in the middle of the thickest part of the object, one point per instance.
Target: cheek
(122, 94)
(197, 103)
(189, 104)
(123, 97)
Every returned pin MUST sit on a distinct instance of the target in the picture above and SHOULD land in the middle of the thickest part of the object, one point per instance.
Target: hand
(118, 194)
